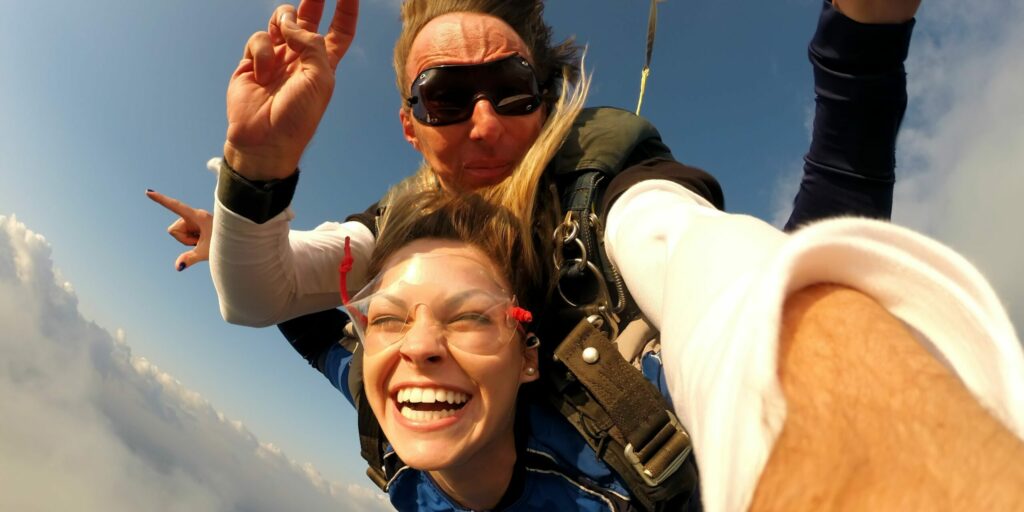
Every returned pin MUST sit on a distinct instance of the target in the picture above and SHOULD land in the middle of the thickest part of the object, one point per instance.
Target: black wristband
(258, 201)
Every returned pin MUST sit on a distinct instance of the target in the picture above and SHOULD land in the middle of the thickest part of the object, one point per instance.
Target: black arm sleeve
(258, 201)
(313, 334)
(861, 95)
(661, 168)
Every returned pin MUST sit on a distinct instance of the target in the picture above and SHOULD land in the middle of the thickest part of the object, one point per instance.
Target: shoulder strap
(607, 140)
(372, 442)
(623, 417)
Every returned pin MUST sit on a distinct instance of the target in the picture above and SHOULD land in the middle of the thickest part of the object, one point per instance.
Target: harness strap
(371, 438)
(579, 200)
(637, 435)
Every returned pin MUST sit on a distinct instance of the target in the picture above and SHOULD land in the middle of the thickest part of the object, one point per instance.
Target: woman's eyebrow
(394, 299)
(465, 295)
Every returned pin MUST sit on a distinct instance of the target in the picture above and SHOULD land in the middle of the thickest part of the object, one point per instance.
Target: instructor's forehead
(463, 38)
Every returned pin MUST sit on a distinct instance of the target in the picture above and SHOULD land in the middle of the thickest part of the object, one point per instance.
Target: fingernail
(181, 266)
(149, 190)
(287, 16)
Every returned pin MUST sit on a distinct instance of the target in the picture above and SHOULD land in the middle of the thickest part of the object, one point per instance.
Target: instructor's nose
(488, 125)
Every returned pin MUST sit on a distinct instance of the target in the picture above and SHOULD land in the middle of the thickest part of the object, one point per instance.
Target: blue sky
(101, 100)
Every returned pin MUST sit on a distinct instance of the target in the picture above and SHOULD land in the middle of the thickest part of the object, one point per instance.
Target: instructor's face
(484, 149)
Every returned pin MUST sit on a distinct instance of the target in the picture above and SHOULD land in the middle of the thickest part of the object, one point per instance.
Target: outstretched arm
(878, 11)
(716, 285)
(860, 88)
(264, 273)
(887, 424)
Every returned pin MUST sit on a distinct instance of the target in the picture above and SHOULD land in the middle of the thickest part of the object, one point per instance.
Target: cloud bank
(89, 426)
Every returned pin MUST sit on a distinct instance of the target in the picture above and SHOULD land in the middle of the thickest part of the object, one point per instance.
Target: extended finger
(261, 51)
(342, 31)
(181, 209)
(274, 25)
(185, 232)
(310, 13)
(309, 45)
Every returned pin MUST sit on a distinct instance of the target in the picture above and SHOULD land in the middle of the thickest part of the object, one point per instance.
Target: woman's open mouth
(429, 404)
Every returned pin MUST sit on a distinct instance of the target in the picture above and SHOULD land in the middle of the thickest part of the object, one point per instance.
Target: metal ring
(559, 258)
(597, 274)
(572, 234)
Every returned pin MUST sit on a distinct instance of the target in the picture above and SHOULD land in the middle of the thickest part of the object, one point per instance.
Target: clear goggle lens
(447, 297)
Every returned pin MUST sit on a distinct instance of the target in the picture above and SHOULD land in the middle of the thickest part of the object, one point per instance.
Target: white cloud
(89, 426)
(962, 149)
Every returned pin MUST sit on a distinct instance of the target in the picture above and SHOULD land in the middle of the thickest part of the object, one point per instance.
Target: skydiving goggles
(447, 94)
(449, 296)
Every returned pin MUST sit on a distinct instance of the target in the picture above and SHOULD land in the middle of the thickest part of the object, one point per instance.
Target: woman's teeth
(415, 415)
(428, 404)
(430, 396)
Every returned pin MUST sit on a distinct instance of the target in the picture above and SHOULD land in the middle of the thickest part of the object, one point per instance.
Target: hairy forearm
(876, 422)
(878, 11)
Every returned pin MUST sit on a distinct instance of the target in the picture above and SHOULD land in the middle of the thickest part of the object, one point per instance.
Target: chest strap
(623, 417)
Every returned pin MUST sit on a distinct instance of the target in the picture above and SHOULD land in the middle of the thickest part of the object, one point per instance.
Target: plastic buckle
(648, 475)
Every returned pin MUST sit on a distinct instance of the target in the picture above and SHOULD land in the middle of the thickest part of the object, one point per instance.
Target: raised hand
(281, 88)
(878, 11)
(193, 227)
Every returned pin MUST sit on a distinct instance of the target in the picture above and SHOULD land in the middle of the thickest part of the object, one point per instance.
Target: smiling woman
(446, 349)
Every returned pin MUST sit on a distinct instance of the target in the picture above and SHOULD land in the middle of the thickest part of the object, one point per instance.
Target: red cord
(343, 269)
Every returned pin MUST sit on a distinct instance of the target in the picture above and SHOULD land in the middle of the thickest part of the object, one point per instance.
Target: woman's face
(440, 405)
(484, 149)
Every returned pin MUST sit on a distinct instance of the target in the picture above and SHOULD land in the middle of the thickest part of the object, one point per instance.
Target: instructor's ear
(408, 129)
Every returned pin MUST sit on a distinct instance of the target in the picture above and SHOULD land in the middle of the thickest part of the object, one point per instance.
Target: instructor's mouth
(487, 168)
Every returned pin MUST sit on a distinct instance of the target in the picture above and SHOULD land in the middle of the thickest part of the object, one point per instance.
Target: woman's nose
(424, 341)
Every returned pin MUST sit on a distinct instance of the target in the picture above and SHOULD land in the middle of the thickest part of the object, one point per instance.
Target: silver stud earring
(531, 371)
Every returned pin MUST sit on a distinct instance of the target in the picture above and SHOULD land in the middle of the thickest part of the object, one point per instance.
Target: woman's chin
(426, 456)
(427, 442)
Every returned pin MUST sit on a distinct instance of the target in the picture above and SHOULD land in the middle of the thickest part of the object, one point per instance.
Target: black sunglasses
(447, 94)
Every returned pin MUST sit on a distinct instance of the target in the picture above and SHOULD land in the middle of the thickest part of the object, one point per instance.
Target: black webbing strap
(371, 438)
(644, 442)
(581, 199)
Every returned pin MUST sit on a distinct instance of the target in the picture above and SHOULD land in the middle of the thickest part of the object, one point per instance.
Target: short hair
(468, 218)
(551, 62)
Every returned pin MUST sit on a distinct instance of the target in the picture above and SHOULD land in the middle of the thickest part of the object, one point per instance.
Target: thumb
(187, 259)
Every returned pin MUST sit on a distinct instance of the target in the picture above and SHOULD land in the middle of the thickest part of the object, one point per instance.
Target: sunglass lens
(447, 94)
(517, 104)
(443, 103)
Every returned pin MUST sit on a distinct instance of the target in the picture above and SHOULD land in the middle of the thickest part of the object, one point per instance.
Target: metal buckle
(567, 234)
(645, 473)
